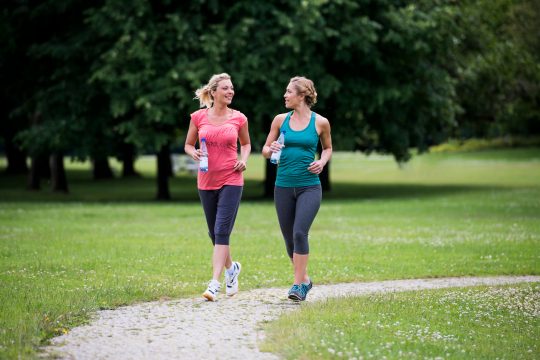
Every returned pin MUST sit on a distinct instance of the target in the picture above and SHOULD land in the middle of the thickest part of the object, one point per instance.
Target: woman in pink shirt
(220, 188)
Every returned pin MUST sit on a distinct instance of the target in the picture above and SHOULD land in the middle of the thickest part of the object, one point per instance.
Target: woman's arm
(271, 145)
(245, 148)
(316, 167)
(191, 139)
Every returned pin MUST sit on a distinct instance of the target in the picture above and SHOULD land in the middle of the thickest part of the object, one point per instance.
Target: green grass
(109, 243)
(469, 323)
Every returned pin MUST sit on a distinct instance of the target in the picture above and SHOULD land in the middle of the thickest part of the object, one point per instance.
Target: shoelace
(294, 288)
(303, 289)
(215, 289)
(232, 277)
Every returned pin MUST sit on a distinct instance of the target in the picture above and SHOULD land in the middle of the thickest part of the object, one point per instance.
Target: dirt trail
(227, 329)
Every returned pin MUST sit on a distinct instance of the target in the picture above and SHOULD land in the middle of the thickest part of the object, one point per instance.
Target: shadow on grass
(376, 191)
(183, 189)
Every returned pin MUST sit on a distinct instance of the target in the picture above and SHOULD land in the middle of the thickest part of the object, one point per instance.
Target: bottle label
(203, 165)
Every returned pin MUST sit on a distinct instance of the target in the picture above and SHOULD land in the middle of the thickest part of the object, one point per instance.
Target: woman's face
(292, 98)
(224, 92)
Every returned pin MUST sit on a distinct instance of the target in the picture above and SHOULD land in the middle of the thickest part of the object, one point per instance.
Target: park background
(434, 107)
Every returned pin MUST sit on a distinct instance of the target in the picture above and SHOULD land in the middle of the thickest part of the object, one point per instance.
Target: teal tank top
(299, 151)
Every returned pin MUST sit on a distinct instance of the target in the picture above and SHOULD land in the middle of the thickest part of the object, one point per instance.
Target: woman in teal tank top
(297, 192)
(298, 155)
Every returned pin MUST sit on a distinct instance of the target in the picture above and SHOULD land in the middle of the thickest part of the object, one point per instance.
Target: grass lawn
(469, 323)
(108, 243)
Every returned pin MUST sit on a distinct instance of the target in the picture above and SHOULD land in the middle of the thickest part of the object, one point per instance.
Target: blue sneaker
(294, 288)
(310, 285)
(299, 292)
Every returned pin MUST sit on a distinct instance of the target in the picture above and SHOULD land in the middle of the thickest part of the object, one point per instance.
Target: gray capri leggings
(220, 208)
(296, 209)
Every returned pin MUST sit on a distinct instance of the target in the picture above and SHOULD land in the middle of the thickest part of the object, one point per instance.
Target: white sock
(230, 270)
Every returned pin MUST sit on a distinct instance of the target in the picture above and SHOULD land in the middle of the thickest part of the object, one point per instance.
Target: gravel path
(227, 329)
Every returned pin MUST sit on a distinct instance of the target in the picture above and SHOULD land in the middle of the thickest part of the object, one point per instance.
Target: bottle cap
(203, 139)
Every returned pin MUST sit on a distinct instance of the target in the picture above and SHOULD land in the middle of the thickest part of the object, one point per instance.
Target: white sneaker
(232, 281)
(212, 292)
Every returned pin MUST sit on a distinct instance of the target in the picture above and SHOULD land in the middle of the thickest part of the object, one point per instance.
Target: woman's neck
(219, 109)
(302, 111)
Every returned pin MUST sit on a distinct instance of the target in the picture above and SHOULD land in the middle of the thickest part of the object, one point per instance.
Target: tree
(14, 39)
(60, 100)
(382, 69)
(121, 75)
(155, 55)
(498, 76)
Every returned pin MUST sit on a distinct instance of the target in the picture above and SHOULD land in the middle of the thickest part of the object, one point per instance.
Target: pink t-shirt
(221, 141)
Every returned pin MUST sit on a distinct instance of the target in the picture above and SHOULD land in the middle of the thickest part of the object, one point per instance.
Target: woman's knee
(222, 239)
(301, 245)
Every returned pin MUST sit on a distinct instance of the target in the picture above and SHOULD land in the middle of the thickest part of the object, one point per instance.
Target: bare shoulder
(321, 121)
(278, 119)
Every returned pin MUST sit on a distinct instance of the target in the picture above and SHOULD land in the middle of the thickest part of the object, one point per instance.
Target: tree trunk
(39, 169)
(33, 175)
(43, 166)
(163, 173)
(101, 168)
(269, 179)
(128, 161)
(16, 158)
(58, 173)
(169, 166)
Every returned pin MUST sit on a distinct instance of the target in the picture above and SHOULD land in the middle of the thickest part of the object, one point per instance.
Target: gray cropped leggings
(296, 209)
(220, 208)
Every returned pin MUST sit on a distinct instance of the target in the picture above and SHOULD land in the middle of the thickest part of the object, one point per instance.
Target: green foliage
(498, 76)
(391, 75)
(127, 71)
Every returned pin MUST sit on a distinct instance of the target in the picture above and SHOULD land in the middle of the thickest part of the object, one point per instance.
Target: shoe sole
(231, 294)
(209, 297)
(295, 298)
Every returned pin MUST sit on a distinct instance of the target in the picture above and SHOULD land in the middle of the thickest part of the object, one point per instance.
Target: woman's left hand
(316, 167)
(240, 166)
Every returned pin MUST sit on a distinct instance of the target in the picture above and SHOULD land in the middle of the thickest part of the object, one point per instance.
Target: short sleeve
(242, 120)
(196, 117)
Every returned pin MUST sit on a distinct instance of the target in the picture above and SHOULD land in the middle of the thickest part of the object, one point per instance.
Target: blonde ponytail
(204, 94)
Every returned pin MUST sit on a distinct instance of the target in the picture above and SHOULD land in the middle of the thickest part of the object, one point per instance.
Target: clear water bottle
(203, 164)
(274, 159)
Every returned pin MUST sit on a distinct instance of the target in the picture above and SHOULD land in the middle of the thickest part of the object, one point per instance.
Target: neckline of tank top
(233, 113)
(311, 117)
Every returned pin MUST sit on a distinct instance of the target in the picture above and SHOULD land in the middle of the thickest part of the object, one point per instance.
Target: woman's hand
(275, 146)
(316, 167)
(196, 155)
(240, 166)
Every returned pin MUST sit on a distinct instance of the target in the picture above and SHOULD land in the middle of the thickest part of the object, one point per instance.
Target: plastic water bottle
(274, 159)
(203, 164)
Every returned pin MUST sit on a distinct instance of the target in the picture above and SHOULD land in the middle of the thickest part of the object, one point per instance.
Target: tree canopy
(86, 78)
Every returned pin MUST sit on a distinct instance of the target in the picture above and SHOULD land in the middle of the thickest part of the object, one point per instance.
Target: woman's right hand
(275, 146)
(196, 154)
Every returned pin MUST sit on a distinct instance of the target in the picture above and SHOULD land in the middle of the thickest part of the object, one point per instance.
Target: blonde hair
(305, 87)
(204, 94)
